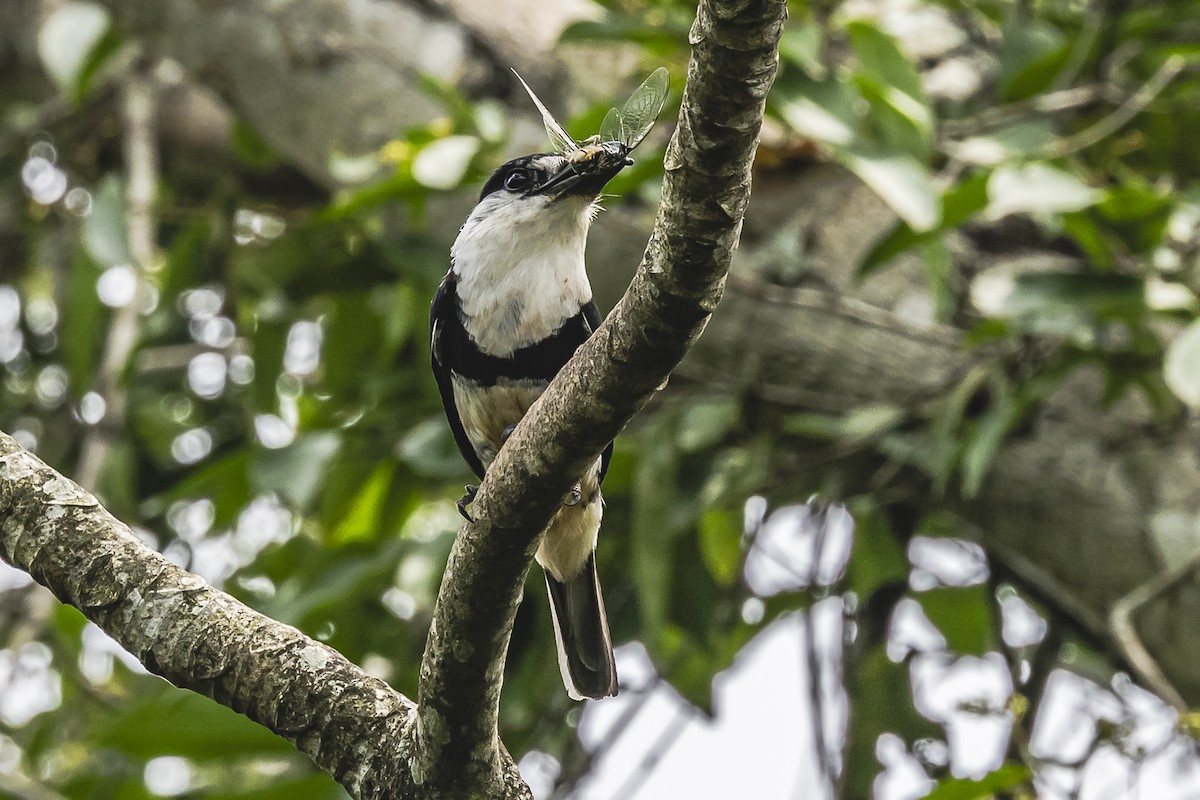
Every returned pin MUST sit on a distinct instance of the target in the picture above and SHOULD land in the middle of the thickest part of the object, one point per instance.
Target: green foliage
(333, 483)
(994, 784)
(962, 615)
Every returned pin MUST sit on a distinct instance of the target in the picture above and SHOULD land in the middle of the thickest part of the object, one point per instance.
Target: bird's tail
(585, 654)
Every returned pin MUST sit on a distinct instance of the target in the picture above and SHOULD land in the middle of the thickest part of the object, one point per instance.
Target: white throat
(519, 262)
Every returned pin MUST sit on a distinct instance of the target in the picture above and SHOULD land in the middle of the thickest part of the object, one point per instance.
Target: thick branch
(1086, 503)
(350, 724)
(678, 284)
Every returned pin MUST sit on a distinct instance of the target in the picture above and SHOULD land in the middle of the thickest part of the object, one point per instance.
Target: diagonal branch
(677, 287)
(200, 638)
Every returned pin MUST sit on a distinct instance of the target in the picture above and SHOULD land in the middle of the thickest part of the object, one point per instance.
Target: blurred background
(964, 310)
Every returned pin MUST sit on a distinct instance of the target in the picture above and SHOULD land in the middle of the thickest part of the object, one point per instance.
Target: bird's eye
(517, 180)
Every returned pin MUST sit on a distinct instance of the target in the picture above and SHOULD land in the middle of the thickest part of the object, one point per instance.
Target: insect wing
(561, 140)
(610, 129)
(642, 108)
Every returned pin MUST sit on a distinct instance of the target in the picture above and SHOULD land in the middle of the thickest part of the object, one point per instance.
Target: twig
(1002, 116)
(1125, 634)
(613, 734)
(141, 166)
(1133, 106)
(653, 754)
(820, 516)
(19, 786)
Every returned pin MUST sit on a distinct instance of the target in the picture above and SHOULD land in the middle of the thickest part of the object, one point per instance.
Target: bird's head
(543, 197)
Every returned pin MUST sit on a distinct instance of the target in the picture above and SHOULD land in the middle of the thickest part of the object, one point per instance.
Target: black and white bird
(511, 311)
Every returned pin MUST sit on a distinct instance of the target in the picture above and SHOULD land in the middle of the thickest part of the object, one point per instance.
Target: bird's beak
(585, 179)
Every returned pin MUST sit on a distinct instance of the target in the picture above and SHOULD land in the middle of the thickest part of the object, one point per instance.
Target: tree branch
(677, 286)
(200, 638)
(1087, 503)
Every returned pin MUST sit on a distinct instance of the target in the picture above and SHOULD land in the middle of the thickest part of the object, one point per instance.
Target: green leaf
(705, 423)
(1136, 214)
(224, 481)
(1032, 53)
(117, 488)
(297, 471)
(881, 57)
(959, 203)
(68, 37)
(939, 269)
(904, 184)
(350, 344)
(269, 343)
(623, 29)
(963, 615)
(1181, 368)
(897, 122)
(694, 595)
(890, 82)
(869, 422)
(186, 260)
(987, 436)
(93, 65)
(800, 44)
(878, 559)
(105, 230)
(443, 163)
(1096, 242)
(882, 703)
(152, 728)
(337, 579)
(364, 515)
(940, 447)
(318, 786)
(250, 147)
(686, 666)
(822, 110)
(429, 449)
(1023, 140)
(1059, 302)
(1000, 781)
(81, 339)
(720, 540)
(655, 497)
(1037, 189)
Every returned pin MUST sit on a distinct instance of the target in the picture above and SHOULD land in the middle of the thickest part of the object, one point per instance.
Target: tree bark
(677, 286)
(200, 638)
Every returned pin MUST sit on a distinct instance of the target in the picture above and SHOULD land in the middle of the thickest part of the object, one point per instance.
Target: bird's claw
(465, 501)
(574, 496)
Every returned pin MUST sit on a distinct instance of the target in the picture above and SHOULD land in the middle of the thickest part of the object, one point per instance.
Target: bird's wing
(591, 315)
(440, 356)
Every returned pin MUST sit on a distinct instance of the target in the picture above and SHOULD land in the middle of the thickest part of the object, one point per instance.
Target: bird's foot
(574, 496)
(507, 432)
(465, 501)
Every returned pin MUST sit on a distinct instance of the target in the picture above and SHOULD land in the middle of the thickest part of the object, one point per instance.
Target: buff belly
(486, 412)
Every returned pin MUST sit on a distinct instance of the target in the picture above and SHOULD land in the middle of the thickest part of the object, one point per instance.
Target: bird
(511, 311)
